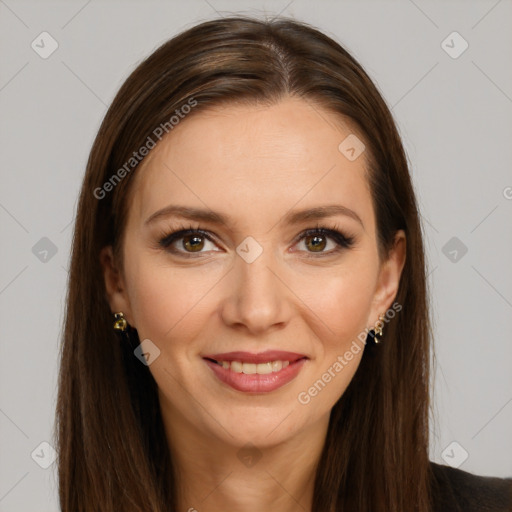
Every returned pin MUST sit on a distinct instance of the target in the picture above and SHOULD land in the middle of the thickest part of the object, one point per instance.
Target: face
(260, 275)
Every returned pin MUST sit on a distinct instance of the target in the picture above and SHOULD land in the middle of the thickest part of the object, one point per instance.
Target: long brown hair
(109, 428)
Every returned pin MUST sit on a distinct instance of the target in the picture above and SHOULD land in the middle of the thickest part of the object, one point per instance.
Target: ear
(114, 285)
(389, 278)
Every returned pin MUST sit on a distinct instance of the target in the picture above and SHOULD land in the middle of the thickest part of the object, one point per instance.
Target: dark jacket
(455, 490)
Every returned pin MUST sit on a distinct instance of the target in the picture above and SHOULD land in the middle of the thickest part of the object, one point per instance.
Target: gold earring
(120, 323)
(378, 330)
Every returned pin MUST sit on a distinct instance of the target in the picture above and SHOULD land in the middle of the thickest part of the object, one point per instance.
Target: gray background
(454, 115)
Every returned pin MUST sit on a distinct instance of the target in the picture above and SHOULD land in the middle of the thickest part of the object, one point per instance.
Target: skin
(253, 164)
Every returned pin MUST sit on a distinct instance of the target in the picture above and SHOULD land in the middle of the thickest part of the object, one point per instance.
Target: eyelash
(342, 241)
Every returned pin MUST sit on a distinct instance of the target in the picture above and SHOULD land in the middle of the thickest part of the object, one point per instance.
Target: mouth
(256, 373)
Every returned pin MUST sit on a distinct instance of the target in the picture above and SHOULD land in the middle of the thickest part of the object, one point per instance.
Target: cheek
(349, 306)
(341, 299)
(164, 298)
(342, 302)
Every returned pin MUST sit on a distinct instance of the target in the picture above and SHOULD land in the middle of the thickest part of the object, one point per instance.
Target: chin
(265, 432)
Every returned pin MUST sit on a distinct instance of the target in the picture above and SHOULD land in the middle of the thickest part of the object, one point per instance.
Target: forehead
(254, 160)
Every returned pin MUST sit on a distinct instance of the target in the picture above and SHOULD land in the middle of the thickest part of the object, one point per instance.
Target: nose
(257, 299)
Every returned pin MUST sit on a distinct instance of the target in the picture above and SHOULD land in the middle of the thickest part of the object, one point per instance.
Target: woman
(247, 325)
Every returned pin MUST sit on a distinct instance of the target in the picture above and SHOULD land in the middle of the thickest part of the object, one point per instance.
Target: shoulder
(457, 490)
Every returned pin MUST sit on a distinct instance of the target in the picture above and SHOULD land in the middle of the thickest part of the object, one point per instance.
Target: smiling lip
(261, 357)
(254, 382)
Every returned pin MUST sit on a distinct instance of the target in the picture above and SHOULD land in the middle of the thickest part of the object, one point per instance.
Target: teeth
(251, 368)
(236, 366)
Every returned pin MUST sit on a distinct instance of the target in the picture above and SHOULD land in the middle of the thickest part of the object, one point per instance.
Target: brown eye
(316, 243)
(324, 241)
(187, 242)
(193, 243)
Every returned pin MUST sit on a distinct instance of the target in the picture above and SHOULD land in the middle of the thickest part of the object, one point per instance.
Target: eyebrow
(292, 217)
